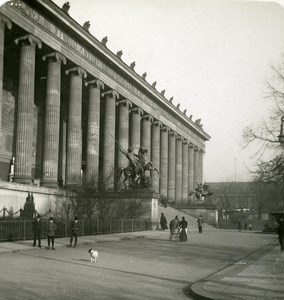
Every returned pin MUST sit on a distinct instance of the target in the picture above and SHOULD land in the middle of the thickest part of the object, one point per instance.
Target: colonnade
(179, 161)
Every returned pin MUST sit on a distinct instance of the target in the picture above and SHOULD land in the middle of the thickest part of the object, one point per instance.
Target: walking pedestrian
(200, 223)
(174, 228)
(74, 232)
(280, 231)
(249, 226)
(163, 222)
(51, 228)
(239, 225)
(37, 229)
(183, 230)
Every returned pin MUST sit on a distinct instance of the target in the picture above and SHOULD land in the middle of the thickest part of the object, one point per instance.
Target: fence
(13, 230)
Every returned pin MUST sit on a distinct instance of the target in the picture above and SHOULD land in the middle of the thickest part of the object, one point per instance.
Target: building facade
(68, 103)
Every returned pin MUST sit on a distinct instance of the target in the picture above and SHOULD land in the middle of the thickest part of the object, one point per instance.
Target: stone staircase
(171, 212)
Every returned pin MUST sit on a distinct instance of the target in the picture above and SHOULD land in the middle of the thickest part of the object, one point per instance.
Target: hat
(51, 219)
(75, 218)
(38, 216)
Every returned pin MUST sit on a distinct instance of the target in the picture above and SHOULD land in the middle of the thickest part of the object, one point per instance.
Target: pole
(235, 169)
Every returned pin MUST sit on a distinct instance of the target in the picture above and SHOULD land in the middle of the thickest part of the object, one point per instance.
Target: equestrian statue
(202, 191)
(135, 173)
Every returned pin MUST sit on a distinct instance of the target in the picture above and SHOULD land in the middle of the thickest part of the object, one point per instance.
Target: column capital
(201, 151)
(190, 145)
(6, 21)
(147, 117)
(111, 94)
(185, 141)
(55, 57)
(136, 110)
(95, 83)
(165, 128)
(29, 39)
(77, 71)
(157, 123)
(196, 149)
(124, 102)
(173, 133)
(179, 137)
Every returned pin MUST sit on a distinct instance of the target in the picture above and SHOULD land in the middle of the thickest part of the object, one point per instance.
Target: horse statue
(134, 173)
(202, 190)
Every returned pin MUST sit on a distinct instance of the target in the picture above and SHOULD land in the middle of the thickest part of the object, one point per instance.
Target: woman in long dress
(183, 230)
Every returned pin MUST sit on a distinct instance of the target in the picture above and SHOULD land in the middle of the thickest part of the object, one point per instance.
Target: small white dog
(94, 255)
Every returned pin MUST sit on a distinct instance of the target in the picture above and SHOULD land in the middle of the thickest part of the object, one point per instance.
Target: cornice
(122, 66)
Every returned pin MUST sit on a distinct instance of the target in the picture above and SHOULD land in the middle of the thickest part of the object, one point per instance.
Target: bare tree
(91, 197)
(269, 157)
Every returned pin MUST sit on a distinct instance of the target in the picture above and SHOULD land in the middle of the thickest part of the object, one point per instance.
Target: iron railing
(15, 230)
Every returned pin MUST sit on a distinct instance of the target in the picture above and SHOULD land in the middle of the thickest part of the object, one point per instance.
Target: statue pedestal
(150, 201)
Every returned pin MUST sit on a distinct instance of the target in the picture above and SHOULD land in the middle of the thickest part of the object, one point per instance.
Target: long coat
(37, 226)
(51, 228)
(75, 227)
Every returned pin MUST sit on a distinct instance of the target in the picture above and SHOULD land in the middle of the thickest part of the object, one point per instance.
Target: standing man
(240, 225)
(74, 232)
(199, 223)
(37, 228)
(163, 222)
(280, 231)
(51, 228)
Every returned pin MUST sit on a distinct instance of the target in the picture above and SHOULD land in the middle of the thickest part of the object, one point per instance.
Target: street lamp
(281, 135)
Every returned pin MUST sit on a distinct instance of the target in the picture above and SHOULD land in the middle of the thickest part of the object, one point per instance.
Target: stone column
(196, 167)
(135, 128)
(123, 134)
(25, 108)
(185, 191)
(109, 138)
(201, 154)
(52, 119)
(146, 133)
(178, 179)
(155, 154)
(93, 132)
(3, 22)
(74, 134)
(164, 167)
(172, 167)
(191, 184)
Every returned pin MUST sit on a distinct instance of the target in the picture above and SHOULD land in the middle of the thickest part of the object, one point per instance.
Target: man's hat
(75, 218)
(51, 219)
(38, 216)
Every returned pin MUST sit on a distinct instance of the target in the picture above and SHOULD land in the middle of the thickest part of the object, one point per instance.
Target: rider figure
(133, 160)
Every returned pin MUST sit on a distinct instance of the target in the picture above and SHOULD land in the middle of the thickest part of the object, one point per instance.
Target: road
(132, 269)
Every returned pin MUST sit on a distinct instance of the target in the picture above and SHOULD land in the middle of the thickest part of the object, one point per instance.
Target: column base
(22, 179)
(49, 183)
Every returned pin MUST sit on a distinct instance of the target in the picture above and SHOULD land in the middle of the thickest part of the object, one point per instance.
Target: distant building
(234, 195)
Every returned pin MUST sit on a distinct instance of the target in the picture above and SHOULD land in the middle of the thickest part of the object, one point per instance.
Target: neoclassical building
(67, 103)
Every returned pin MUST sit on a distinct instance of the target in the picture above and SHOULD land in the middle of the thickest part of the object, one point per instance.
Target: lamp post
(281, 135)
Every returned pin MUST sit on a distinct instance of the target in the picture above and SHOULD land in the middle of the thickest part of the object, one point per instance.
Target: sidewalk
(259, 276)
(82, 240)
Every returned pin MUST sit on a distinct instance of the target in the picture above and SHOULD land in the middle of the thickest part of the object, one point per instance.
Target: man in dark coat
(37, 229)
(280, 231)
(74, 232)
(51, 228)
(200, 223)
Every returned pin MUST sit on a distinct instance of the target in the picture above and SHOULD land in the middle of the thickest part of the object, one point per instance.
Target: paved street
(148, 268)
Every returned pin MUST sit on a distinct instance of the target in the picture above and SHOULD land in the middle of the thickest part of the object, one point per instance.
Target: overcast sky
(212, 56)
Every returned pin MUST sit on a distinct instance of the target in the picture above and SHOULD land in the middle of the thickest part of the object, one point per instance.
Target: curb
(198, 289)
